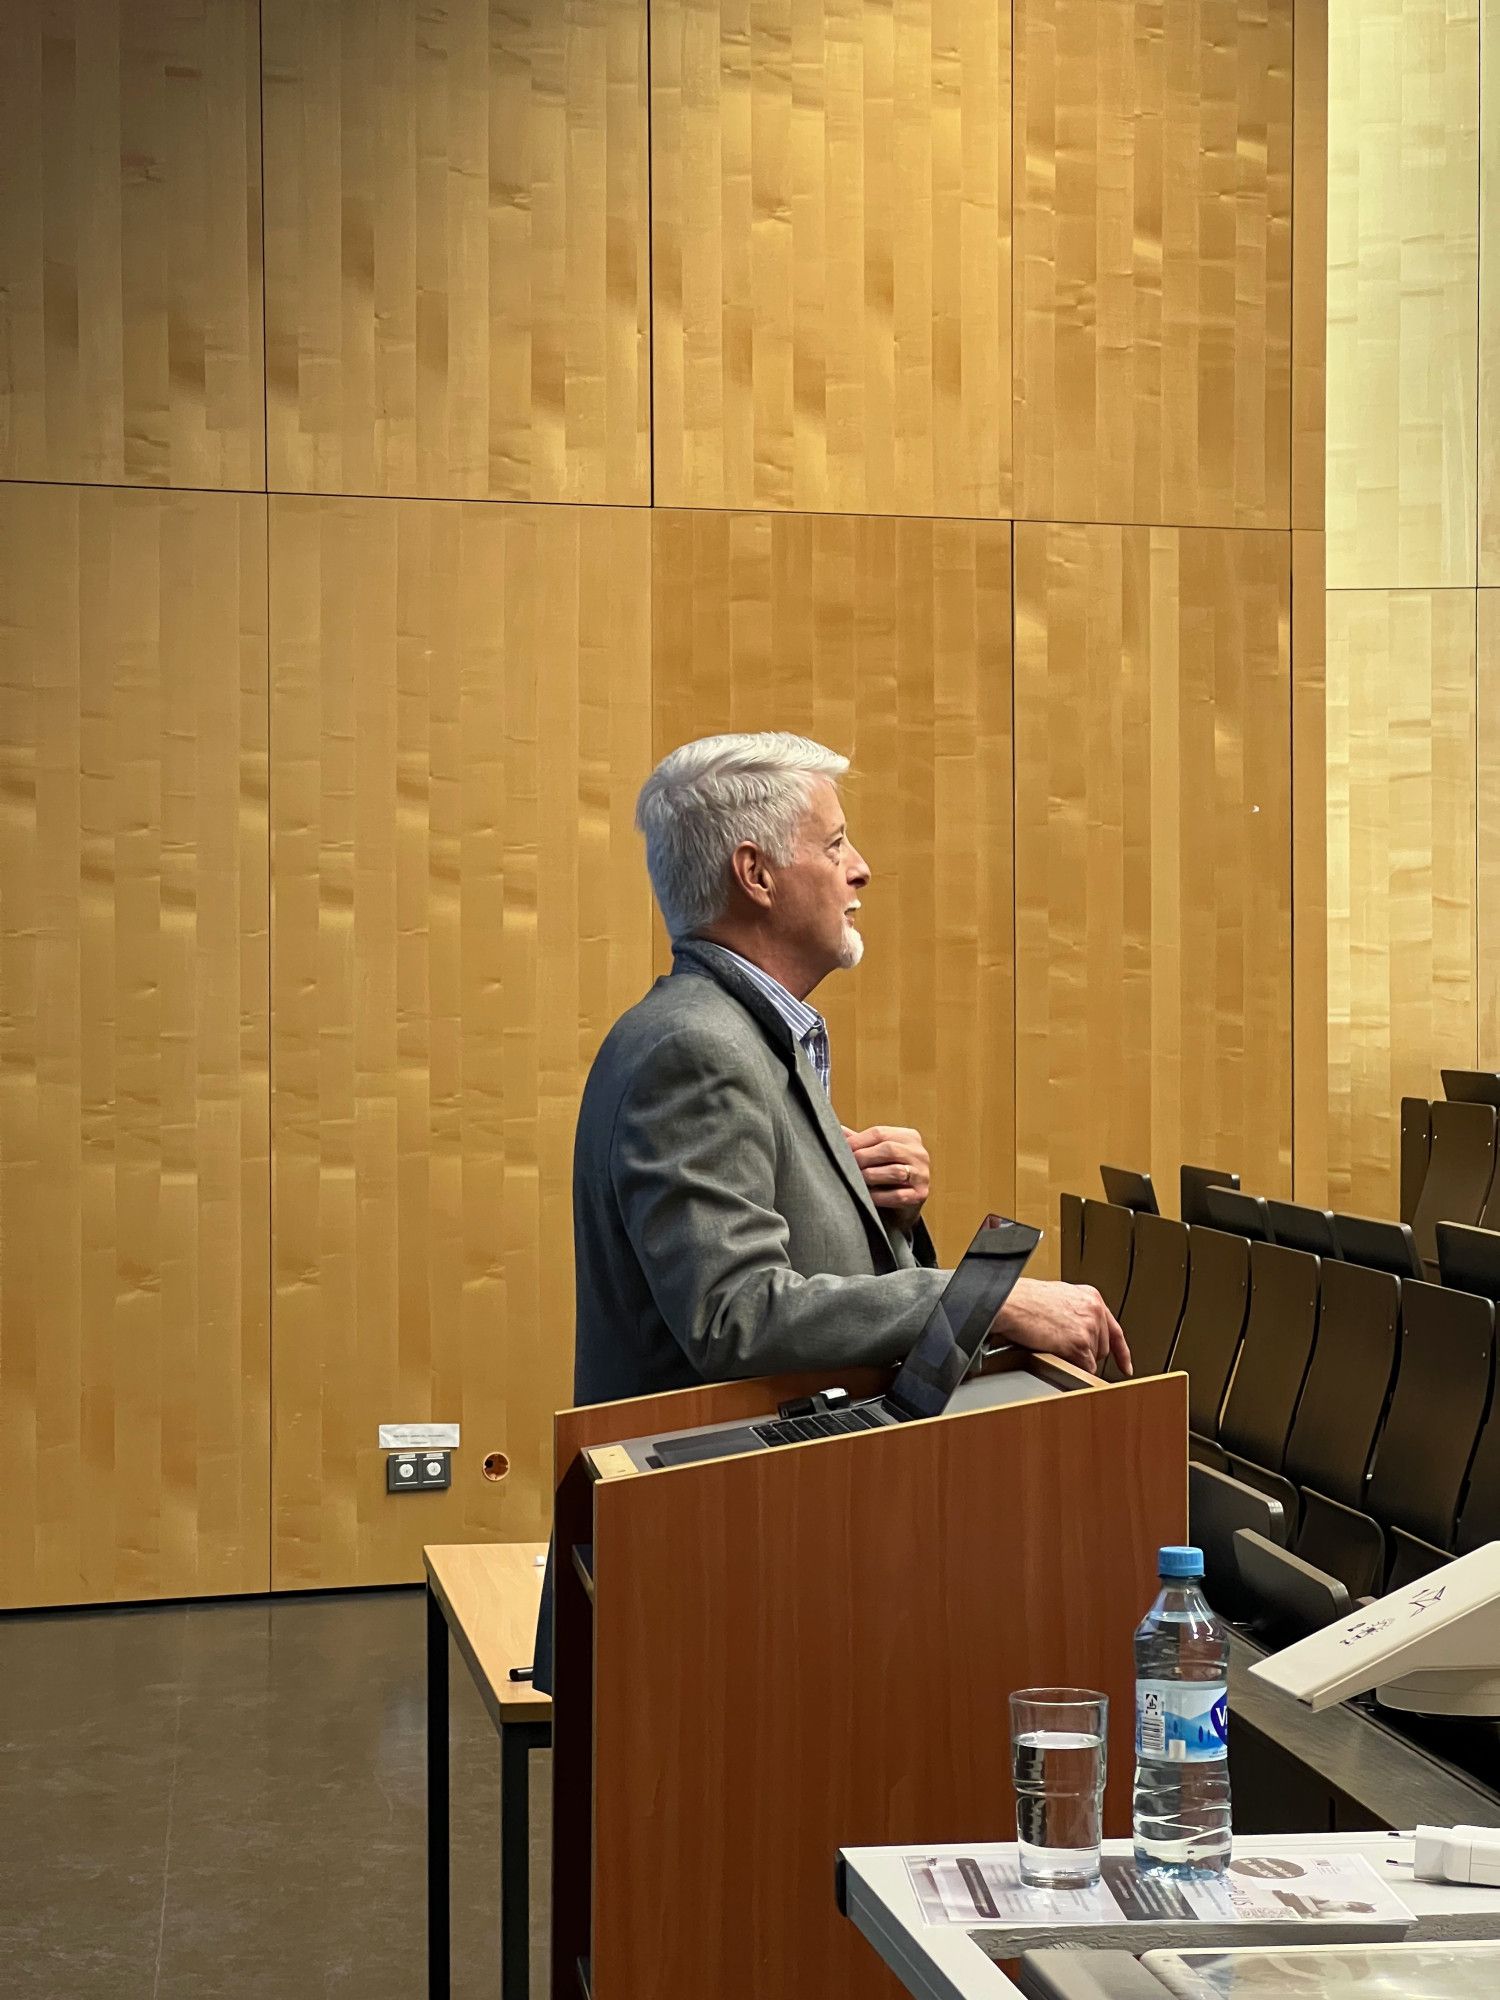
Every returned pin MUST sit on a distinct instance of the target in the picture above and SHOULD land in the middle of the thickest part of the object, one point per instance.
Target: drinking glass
(1057, 1738)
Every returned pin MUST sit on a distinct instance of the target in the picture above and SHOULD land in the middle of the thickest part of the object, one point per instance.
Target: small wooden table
(486, 1594)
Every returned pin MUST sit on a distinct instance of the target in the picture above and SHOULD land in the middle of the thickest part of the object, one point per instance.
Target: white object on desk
(1432, 1647)
(1458, 1854)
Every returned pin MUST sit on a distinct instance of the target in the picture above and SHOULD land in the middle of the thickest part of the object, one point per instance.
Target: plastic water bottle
(1181, 1807)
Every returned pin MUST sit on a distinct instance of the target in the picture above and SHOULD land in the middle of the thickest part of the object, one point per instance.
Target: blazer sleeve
(693, 1165)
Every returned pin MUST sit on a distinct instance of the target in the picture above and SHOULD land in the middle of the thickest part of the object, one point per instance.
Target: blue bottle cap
(1176, 1561)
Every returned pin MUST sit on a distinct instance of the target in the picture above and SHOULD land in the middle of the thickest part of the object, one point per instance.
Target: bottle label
(1184, 1722)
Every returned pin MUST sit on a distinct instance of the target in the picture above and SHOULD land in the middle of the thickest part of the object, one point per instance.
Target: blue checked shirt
(805, 1022)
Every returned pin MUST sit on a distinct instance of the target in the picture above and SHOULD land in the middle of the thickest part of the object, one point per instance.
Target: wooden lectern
(766, 1657)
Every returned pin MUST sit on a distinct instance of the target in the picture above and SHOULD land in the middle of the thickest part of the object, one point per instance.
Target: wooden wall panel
(1309, 265)
(1487, 682)
(1401, 887)
(133, 1045)
(889, 641)
(456, 291)
(1403, 305)
(831, 255)
(1153, 861)
(1153, 160)
(460, 720)
(1310, 1039)
(1489, 295)
(130, 280)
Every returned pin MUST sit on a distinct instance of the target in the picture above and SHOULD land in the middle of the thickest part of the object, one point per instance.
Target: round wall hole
(496, 1465)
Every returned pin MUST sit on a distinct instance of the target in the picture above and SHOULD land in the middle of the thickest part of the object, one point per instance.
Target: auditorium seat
(1442, 1391)
(1479, 1517)
(1108, 1242)
(1416, 1141)
(1348, 1383)
(1383, 1246)
(1213, 1320)
(1242, 1214)
(1218, 1508)
(1338, 1421)
(1460, 1167)
(1472, 1086)
(1192, 1183)
(1127, 1188)
(1469, 1258)
(1407, 1525)
(1281, 1326)
(1302, 1228)
(1154, 1299)
(1070, 1237)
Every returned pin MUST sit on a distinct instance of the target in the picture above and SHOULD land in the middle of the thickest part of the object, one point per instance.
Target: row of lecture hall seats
(1339, 1399)
(1448, 1156)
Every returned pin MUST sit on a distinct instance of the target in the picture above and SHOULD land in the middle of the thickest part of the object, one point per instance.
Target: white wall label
(419, 1437)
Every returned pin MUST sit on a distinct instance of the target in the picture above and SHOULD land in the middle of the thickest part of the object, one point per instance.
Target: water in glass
(1059, 1776)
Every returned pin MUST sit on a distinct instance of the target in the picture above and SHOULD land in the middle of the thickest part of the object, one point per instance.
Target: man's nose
(859, 868)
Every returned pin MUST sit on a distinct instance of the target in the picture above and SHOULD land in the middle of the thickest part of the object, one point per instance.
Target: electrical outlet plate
(401, 1472)
(418, 1471)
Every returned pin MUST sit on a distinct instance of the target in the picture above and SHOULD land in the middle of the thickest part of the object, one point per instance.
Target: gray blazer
(721, 1225)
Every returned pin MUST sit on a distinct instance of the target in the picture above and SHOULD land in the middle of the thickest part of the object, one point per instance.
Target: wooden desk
(486, 1594)
(941, 1961)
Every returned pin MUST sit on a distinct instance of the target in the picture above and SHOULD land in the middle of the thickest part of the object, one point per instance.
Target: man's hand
(896, 1168)
(1070, 1321)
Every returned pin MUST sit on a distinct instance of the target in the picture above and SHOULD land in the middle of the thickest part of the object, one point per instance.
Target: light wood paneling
(1309, 264)
(1487, 682)
(1401, 887)
(1403, 304)
(456, 248)
(133, 1045)
(890, 642)
(1153, 160)
(1309, 869)
(831, 255)
(1153, 863)
(130, 281)
(1489, 296)
(460, 720)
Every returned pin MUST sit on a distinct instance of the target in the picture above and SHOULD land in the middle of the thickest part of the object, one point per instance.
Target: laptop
(942, 1355)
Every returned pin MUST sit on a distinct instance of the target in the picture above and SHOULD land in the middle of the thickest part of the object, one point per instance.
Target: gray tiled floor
(229, 1799)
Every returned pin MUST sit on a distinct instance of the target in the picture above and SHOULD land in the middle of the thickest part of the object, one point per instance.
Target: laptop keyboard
(799, 1430)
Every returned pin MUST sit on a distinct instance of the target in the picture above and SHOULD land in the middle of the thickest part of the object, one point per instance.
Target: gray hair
(705, 798)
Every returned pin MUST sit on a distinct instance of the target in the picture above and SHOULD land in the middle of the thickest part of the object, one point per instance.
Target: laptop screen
(946, 1347)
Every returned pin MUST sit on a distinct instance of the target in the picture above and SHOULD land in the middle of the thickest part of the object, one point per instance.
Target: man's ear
(752, 874)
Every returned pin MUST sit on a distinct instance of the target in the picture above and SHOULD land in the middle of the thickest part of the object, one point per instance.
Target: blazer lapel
(815, 1098)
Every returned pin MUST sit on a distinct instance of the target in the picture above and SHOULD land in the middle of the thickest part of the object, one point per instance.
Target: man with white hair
(725, 1223)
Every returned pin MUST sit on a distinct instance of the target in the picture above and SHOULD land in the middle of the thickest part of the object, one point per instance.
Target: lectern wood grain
(801, 1648)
